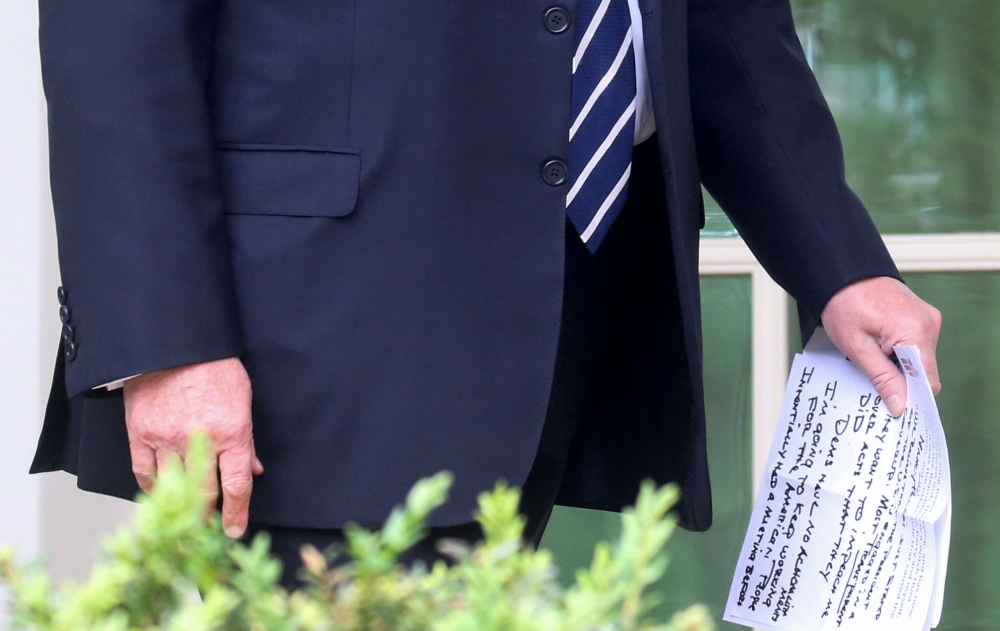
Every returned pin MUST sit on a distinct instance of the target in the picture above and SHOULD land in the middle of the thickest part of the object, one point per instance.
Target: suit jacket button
(554, 172)
(64, 314)
(69, 333)
(70, 349)
(556, 20)
(61, 293)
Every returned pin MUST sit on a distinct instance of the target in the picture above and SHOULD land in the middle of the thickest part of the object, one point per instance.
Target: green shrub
(152, 569)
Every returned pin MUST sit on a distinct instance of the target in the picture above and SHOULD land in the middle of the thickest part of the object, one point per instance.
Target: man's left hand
(867, 318)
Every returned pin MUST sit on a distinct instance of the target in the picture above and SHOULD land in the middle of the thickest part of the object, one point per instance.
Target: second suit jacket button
(556, 20)
(555, 172)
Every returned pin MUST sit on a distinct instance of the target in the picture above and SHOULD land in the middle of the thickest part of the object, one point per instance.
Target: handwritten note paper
(852, 522)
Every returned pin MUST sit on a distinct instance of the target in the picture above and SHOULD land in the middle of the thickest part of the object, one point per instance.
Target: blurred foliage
(148, 580)
(913, 85)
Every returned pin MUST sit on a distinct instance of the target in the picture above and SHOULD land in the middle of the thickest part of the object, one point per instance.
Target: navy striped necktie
(603, 129)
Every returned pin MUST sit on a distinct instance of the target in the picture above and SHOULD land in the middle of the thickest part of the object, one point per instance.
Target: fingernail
(895, 403)
(234, 532)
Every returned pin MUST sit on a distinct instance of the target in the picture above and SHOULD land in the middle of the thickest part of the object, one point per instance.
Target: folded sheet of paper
(852, 522)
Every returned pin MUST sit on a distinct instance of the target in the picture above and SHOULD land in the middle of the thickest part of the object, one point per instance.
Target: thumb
(257, 467)
(887, 379)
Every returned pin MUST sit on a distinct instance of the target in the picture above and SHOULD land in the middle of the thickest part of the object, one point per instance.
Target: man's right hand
(163, 409)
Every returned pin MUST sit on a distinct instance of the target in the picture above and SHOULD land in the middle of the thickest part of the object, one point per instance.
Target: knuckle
(883, 380)
(143, 478)
(173, 437)
(936, 318)
(138, 445)
(237, 486)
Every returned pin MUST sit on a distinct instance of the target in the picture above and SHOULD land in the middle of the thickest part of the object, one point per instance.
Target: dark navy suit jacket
(348, 195)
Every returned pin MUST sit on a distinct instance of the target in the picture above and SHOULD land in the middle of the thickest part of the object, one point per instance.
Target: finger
(258, 466)
(143, 464)
(931, 368)
(888, 381)
(163, 458)
(235, 466)
(211, 492)
(210, 483)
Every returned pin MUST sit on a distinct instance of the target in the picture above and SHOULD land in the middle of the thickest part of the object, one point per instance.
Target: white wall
(23, 266)
(38, 514)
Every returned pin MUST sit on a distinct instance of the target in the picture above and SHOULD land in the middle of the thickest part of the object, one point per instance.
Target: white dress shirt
(644, 123)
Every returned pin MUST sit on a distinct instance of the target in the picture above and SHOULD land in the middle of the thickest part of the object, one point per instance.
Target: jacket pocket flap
(290, 181)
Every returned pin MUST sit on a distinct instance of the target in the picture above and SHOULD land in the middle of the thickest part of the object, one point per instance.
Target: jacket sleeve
(769, 151)
(142, 242)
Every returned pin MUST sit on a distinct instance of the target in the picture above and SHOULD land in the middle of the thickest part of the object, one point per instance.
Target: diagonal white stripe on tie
(592, 164)
(602, 84)
(609, 200)
(589, 34)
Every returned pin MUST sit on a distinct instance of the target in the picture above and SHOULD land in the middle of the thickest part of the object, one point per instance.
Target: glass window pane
(701, 563)
(969, 360)
(717, 224)
(913, 85)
